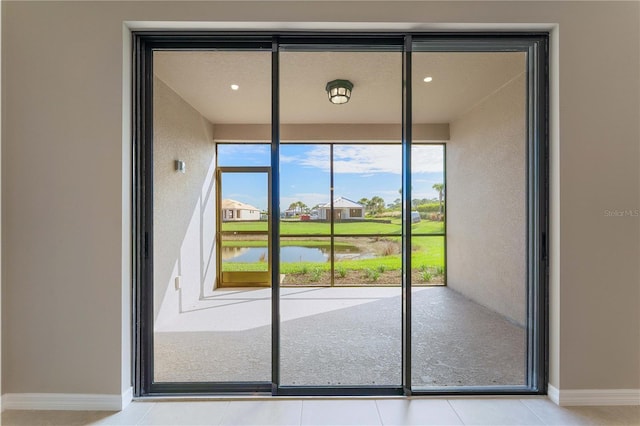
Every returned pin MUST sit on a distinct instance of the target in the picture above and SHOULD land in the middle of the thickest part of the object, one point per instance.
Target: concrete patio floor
(340, 336)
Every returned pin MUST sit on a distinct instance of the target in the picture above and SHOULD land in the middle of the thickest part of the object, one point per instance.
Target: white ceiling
(460, 81)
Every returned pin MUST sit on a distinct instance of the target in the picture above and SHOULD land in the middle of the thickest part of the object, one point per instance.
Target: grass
(426, 276)
(297, 227)
(285, 243)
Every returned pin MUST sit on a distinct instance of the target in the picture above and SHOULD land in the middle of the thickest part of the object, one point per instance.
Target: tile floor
(354, 411)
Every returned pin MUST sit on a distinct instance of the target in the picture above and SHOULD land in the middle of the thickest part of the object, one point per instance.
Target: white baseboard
(126, 398)
(67, 401)
(553, 394)
(575, 397)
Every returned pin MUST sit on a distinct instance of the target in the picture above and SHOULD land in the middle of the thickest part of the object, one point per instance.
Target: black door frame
(536, 47)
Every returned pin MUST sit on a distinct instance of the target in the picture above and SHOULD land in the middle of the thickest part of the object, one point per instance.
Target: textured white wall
(486, 202)
(184, 216)
(65, 168)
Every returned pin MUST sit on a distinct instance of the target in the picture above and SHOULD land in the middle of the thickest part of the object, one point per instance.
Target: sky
(360, 171)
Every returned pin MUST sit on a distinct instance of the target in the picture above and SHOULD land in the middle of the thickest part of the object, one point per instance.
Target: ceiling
(460, 81)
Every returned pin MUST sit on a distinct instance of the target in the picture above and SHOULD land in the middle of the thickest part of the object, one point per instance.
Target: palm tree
(298, 207)
(440, 188)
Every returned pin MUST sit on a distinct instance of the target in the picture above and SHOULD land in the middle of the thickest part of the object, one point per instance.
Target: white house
(236, 210)
(343, 208)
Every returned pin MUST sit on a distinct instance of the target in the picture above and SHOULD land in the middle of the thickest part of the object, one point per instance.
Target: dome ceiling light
(339, 91)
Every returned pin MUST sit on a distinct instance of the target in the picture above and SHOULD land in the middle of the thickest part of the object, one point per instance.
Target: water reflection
(291, 254)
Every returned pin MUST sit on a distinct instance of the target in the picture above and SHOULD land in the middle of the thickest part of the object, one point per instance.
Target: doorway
(243, 229)
(239, 262)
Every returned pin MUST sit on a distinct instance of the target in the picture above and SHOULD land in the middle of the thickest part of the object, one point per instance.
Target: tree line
(377, 205)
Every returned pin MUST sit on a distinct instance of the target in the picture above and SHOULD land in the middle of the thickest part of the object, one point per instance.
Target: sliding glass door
(473, 332)
(331, 214)
(211, 318)
(340, 316)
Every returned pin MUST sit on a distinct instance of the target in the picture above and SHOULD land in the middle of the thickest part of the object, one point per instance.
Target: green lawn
(297, 227)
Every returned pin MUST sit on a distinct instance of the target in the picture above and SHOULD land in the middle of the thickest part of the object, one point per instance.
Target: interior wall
(184, 216)
(486, 202)
(63, 154)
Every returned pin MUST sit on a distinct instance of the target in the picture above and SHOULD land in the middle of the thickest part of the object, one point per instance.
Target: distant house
(343, 209)
(236, 210)
(290, 213)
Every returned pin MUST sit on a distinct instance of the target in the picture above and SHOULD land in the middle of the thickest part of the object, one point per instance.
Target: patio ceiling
(460, 81)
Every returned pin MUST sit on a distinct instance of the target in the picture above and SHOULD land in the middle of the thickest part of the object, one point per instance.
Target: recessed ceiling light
(234, 87)
(428, 79)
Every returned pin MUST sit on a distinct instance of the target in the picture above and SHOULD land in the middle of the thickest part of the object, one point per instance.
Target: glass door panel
(469, 321)
(340, 307)
(211, 329)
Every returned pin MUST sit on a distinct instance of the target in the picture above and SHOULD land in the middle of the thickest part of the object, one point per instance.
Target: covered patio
(340, 336)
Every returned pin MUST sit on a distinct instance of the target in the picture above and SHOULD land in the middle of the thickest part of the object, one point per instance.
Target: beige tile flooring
(339, 411)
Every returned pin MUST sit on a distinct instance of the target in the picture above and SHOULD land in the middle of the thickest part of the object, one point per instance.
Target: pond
(290, 254)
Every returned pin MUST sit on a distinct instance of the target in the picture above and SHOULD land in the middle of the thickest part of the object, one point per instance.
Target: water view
(292, 254)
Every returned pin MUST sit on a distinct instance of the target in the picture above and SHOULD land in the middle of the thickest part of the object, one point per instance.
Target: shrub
(390, 248)
(439, 270)
(372, 274)
(342, 271)
(426, 276)
(429, 207)
(305, 269)
(315, 275)
(381, 268)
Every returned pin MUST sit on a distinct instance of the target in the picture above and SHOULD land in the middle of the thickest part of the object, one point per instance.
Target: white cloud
(369, 159)
(427, 159)
(288, 158)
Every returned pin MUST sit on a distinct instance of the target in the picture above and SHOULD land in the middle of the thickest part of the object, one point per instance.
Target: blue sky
(359, 171)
